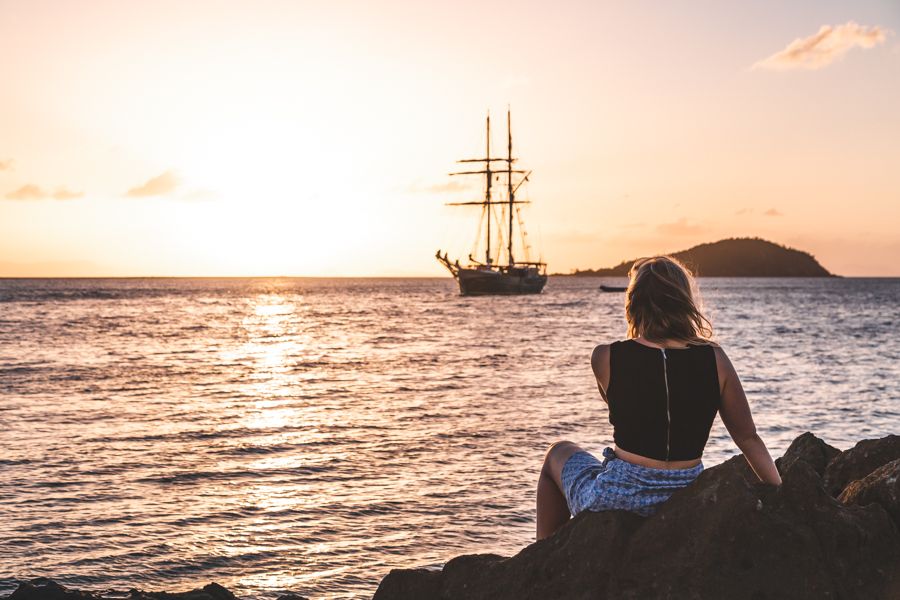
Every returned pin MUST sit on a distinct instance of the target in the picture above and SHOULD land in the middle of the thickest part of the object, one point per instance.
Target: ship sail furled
(492, 276)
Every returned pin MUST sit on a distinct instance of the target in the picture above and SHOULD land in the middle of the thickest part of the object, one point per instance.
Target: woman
(664, 386)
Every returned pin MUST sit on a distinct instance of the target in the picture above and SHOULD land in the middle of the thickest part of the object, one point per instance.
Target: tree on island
(734, 257)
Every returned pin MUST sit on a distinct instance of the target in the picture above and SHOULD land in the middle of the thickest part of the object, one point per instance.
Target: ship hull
(485, 282)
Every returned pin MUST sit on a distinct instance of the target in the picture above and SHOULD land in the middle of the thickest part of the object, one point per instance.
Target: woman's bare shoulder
(723, 364)
(600, 351)
(721, 357)
(600, 357)
(600, 367)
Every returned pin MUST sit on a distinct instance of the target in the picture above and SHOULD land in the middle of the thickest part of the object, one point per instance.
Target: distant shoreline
(734, 257)
(830, 276)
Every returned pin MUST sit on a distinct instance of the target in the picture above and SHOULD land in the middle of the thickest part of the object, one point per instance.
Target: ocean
(308, 435)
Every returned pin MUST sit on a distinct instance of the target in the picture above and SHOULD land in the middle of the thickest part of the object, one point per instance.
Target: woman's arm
(735, 413)
(600, 366)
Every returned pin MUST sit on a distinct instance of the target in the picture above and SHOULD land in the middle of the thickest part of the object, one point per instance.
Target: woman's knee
(557, 446)
(558, 453)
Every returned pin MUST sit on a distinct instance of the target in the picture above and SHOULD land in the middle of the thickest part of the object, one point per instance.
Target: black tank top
(662, 403)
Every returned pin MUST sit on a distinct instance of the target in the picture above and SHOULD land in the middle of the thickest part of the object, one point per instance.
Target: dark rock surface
(881, 486)
(724, 536)
(47, 589)
(859, 461)
(811, 450)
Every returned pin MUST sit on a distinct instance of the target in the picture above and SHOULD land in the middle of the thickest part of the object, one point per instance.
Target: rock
(809, 449)
(410, 583)
(212, 591)
(42, 588)
(859, 461)
(47, 589)
(724, 536)
(727, 538)
(881, 486)
(567, 565)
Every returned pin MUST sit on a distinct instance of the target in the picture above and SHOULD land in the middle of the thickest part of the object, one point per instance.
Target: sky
(214, 138)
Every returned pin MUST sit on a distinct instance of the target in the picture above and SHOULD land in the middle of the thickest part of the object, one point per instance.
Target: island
(733, 257)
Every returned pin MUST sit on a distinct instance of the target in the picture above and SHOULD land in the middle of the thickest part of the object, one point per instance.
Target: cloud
(27, 192)
(772, 212)
(823, 48)
(573, 236)
(64, 194)
(454, 185)
(31, 191)
(680, 227)
(160, 185)
(6, 164)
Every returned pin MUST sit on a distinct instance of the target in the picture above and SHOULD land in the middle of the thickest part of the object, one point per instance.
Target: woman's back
(662, 401)
(664, 386)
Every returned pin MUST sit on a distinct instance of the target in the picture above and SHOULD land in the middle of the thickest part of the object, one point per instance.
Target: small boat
(495, 275)
(612, 288)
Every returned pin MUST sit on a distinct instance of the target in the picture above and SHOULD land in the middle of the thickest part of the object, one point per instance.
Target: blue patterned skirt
(616, 484)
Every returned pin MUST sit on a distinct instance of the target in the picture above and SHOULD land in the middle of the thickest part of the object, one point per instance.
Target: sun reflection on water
(272, 344)
(308, 436)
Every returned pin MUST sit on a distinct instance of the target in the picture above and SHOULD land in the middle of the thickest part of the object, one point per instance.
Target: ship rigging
(492, 275)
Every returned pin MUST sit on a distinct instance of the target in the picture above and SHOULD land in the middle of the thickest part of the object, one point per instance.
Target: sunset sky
(315, 138)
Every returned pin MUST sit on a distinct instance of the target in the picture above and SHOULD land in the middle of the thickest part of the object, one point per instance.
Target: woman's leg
(552, 510)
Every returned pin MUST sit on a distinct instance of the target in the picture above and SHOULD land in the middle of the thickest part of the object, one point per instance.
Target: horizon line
(567, 275)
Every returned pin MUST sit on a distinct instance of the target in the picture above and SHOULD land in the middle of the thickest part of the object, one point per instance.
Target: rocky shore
(831, 531)
(47, 589)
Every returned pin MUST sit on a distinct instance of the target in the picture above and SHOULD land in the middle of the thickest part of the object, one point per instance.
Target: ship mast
(509, 185)
(488, 201)
(487, 191)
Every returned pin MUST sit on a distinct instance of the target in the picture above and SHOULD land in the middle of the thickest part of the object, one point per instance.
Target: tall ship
(501, 272)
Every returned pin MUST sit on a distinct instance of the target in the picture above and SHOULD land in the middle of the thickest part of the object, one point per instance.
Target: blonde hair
(661, 303)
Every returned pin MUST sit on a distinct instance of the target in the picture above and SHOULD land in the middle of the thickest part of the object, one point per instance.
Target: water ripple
(308, 435)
